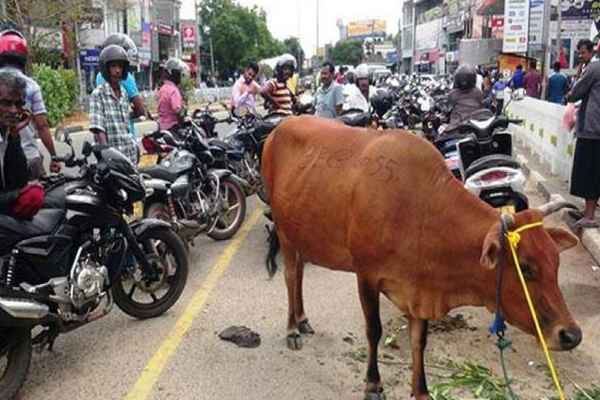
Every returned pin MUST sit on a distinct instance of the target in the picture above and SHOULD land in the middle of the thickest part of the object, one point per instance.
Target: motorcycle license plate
(147, 160)
(508, 209)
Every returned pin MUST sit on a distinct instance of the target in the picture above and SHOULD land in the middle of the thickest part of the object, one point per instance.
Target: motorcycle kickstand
(45, 339)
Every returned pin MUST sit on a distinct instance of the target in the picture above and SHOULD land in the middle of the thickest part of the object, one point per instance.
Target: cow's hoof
(306, 328)
(375, 395)
(422, 397)
(294, 341)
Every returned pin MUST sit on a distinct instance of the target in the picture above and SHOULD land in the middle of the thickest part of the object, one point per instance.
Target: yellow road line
(143, 386)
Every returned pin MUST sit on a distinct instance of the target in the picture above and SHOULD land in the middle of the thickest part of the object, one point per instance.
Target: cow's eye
(526, 270)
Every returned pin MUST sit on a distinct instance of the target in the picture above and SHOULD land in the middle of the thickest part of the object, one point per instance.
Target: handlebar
(515, 121)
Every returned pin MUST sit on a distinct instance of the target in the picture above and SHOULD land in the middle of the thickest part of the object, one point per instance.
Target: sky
(287, 18)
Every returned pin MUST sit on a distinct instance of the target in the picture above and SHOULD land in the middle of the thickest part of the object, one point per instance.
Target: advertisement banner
(516, 26)
(427, 34)
(580, 9)
(188, 35)
(536, 22)
(497, 26)
(370, 27)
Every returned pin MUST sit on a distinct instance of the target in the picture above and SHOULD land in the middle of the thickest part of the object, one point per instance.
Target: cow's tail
(274, 247)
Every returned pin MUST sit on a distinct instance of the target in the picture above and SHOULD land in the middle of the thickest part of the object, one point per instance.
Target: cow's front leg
(369, 299)
(418, 341)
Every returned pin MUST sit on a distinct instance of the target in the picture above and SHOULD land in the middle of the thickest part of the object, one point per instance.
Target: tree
(292, 46)
(346, 51)
(239, 34)
(42, 23)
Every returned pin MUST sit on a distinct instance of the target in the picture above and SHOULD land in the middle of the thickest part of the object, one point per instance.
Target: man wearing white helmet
(276, 91)
(358, 96)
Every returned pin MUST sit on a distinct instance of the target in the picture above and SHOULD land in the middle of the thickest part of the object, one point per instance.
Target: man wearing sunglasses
(17, 198)
(245, 88)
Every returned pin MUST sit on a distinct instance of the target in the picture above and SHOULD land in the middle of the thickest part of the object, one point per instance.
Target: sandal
(584, 223)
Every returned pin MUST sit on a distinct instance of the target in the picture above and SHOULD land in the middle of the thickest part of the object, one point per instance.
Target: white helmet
(361, 72)
(287, 59)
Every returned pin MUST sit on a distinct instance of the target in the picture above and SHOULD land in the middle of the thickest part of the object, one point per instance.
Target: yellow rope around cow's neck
(513, 238)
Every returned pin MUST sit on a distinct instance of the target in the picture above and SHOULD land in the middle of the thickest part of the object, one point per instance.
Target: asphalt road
(180, 356)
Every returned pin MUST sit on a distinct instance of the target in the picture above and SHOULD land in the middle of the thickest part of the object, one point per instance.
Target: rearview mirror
(242, 111)
(62, 135)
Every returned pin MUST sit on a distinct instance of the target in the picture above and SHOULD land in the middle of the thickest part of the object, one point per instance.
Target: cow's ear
(563, 238)
(491, 249)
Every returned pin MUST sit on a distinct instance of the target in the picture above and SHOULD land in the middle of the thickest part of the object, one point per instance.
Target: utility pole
(212, 58)
(198, 44)
(317, 53)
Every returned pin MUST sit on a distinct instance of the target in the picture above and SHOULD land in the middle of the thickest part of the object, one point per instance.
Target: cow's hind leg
(369, 299)
(292, 263)
(301, 318)
(418, 340)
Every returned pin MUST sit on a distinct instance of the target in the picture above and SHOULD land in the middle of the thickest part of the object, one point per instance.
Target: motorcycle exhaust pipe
(24, 308)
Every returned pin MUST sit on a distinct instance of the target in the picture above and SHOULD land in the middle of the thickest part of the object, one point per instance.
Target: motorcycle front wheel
(232, 210)
(15, 357)
(148, 294)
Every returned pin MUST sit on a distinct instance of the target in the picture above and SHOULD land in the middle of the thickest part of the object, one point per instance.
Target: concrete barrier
(542, 133)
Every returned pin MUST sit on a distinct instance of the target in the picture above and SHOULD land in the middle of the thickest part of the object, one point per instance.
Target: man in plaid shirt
(109, 106)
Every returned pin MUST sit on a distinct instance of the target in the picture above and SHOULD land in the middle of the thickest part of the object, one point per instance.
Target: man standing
(558, 84)
(17, 198)
(329, 99)
(109, 106)
(358, 96)
(532, 82)
(245, 88)
(585, 48)
(585, 177)
(516, 82)
(13, 58)
(170, 102)
(128, 82)
(276, 91)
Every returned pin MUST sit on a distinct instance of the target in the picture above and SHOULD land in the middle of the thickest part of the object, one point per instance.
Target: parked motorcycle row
(479, 152)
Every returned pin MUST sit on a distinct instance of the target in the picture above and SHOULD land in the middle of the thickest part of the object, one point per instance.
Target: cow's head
(538, 253)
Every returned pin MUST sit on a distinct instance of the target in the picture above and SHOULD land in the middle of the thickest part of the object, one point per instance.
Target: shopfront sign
(516, 26)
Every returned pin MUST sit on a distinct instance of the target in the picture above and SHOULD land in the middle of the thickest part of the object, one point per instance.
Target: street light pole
(317, 52)
(198, 44)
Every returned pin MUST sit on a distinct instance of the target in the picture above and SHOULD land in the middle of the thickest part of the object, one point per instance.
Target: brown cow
(383, 205)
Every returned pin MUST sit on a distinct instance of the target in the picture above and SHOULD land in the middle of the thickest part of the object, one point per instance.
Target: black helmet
(126, 43)
(173, 70)
(465, 77)
(110, 53)
(381, 102)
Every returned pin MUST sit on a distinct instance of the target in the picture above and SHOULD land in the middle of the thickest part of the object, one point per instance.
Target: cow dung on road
(242, 336)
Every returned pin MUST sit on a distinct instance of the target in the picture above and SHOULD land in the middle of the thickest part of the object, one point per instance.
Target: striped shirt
(281, 95)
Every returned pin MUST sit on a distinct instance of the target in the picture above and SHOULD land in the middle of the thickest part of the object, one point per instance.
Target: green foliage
(347, 51)
(476, 380)
(60, 89)
(70, 80)
(239, 34)
(592, 393)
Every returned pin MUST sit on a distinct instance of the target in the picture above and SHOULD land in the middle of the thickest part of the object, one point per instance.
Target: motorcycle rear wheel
(230, 221)
(15, 346)
(161, 246)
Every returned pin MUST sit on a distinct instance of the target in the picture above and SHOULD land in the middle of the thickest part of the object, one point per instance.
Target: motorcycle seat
(491, 161)
(13, 230)
(159, 172)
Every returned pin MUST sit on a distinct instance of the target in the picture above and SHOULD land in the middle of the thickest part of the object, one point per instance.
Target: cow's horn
(555, 206)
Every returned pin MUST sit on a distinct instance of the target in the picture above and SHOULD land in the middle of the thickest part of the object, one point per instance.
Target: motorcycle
(483, 159)
(68, 266)
(243, 149)
(191, 187)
